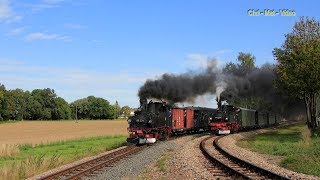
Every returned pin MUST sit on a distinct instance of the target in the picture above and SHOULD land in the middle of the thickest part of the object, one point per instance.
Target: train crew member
(169, 112)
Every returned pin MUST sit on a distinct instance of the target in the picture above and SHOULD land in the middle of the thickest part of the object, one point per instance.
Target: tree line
(297, 71)
(44, 104)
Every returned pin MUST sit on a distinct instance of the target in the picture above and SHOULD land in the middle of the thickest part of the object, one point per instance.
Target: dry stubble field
(42, 132)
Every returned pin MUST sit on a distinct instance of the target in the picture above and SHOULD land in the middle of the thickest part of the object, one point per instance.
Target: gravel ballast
(132, 166)
(185, 162)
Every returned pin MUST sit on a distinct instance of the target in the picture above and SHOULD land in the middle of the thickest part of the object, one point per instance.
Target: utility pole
(76, 113)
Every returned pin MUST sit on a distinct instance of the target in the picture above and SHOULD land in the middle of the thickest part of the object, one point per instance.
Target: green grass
(161, 163)
(299, 147)
(32, 160)
(8, 121)
(62, 120)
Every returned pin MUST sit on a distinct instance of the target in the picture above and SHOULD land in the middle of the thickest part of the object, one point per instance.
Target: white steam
(221, 86)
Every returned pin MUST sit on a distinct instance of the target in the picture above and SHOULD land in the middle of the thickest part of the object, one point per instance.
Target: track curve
(231, 165)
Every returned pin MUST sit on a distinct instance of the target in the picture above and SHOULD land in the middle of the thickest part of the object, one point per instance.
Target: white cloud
(196, 60)
(74, 26)
(40, 7)
(14, 19)
(10, 62)
(53, 1)
(17, 31)
(5, 9)
(45, 4)
(7, 14)
(44, 36)
(222, 51)
(96, 41)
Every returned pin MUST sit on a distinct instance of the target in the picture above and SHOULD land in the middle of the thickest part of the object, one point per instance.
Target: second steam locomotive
(158, 121)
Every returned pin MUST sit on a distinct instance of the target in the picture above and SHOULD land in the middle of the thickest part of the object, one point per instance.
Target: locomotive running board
(223, 132)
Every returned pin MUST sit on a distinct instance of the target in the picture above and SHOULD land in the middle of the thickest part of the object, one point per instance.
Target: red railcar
(178, 119)
(189, 121)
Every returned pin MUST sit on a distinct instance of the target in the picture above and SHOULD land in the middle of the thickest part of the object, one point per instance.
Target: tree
(80, 108)
(15, 103)
(2, 97)
(247, 61)
(93, 108)
(44, 103)
(117, 109)
(112, 112)
(298, 69)
(61, 110)
(247, 65)
(126, 110)
(33, 108)
(242, 70)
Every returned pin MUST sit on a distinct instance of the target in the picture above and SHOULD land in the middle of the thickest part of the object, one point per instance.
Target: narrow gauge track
(231, 165)
(88, 167)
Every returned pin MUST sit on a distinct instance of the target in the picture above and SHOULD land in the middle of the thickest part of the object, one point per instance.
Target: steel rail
(92, 163)
(235, 166)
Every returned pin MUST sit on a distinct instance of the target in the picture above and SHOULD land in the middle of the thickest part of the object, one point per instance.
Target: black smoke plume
(183, 87)
(232, 84)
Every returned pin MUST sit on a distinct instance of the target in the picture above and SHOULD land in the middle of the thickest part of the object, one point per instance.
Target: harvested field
(42, 132)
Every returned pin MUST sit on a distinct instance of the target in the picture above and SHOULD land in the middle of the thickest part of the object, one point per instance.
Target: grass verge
(299, 147)
(161, 163)
(29, 160)
(8, 121)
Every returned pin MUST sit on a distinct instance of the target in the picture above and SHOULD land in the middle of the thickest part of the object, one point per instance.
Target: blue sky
(109, 48)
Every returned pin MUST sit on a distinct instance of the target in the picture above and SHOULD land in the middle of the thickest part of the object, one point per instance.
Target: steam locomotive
(155, 121)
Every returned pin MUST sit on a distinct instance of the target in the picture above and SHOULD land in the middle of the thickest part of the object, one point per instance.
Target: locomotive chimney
(143, 103)
(219, 103)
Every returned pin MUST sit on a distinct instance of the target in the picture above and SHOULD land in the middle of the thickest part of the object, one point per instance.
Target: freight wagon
(202, 118)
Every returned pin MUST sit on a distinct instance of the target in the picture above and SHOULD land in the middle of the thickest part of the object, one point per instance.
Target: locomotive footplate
(147, 140)
(223, 131)
(133, 140)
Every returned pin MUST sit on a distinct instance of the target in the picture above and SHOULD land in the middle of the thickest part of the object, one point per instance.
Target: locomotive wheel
(163, 135)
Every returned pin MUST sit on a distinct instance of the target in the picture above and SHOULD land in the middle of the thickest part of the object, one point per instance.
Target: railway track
(225, 165)
(88, 167)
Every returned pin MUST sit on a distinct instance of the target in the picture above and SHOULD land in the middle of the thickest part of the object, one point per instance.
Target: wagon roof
(247, 109)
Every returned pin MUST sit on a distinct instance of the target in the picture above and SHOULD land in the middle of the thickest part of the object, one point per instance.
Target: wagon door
(189, 118)
(177, 119)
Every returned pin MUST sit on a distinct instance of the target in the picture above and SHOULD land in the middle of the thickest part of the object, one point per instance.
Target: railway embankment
(273, 148)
